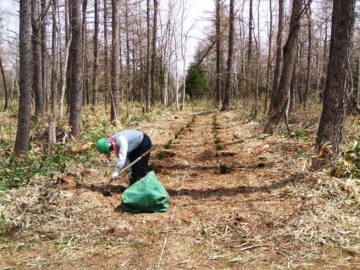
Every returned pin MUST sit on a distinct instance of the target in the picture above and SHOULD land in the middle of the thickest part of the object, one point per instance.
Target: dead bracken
(276, 216)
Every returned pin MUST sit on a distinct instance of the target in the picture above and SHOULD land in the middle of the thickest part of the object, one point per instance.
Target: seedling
(224, 169)
(301, 133)
(160, 156)
(218, 147)
(167, 145)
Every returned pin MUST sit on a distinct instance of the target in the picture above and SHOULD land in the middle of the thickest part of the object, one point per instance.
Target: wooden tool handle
(130, 165)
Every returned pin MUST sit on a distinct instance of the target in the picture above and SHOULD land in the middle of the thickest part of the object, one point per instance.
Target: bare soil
(238, 200)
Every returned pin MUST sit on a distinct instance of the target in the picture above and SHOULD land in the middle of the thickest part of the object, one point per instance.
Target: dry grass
(269, 212)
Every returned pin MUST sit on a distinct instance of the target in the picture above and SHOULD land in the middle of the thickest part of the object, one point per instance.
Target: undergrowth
(18, 171)
(39, 163)
(349, 161)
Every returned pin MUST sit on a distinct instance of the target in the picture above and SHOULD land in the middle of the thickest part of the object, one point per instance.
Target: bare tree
(96, 60)
(278, 60)
(309, 57)
(256, 104)
(127, 44)
(44, 53)
(85, 67)
(75, 66)
(336, 93)
(106, 54)
(218, 51)
(226, 102)
(250, 51)
(115, 63)
(268, 67)
(5, 87)
(22, 141)
(153, 53)
(64, 63)
(278, 105)
(147, 78)
(325, 12)
(36, 61)
(54, 82)
(168, 39)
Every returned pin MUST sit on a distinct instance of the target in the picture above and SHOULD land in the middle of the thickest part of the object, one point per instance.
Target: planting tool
(130, 165)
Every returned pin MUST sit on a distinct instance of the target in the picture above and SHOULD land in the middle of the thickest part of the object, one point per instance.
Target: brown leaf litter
(270, 212)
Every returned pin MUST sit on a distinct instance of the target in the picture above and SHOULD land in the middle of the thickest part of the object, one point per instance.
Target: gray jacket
(127, 141)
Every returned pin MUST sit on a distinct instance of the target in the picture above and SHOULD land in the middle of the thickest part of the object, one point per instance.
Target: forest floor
(238, 200)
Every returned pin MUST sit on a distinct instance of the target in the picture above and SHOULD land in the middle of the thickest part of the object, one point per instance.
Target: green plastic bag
(146, 195)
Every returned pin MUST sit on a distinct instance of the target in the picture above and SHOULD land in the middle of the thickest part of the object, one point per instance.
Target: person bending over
(127, 145)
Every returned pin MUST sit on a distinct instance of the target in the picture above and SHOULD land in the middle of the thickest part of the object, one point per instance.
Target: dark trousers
(140, 169)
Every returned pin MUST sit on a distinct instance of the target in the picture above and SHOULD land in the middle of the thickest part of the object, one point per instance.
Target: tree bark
(147, 78)
(309, 57)
(106, 57)
(128, 50)
(54, 85)
(36, 62)
(218, 53)
(96, 60)
(44, 53)
(279, 104)
(76, 59)
(153, 54)
(249, 52)
(85, 66)
(22, 141)
(115, 63)
(5, 88)
(279, 52)
(325, 55)
(226, 102)
(268, 67)
(336, 93)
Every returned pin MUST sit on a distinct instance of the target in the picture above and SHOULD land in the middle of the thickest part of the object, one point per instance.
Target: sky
(198, 15)
(198, 11)
(197, 19)
(11, 9)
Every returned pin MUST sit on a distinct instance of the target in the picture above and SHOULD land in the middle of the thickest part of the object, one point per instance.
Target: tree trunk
(335, 95)
(147, 78)
(226, 102)
(141, 54)
(5, 88)
(279, 53)
(128, 50)
(293, 88)
(218, 53)
(67, 68)
(325, 56)
(54, 85)
(106, 57)
(268, 67)
(183, 56)
(115, 63)
(96, 60)
(24, 118)
(75, 56)
(249, 52)
(44, 53)
(257, 98)
(85, 67)
(309, 57)
(153, 54)
(36, 44)
(278, 106)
